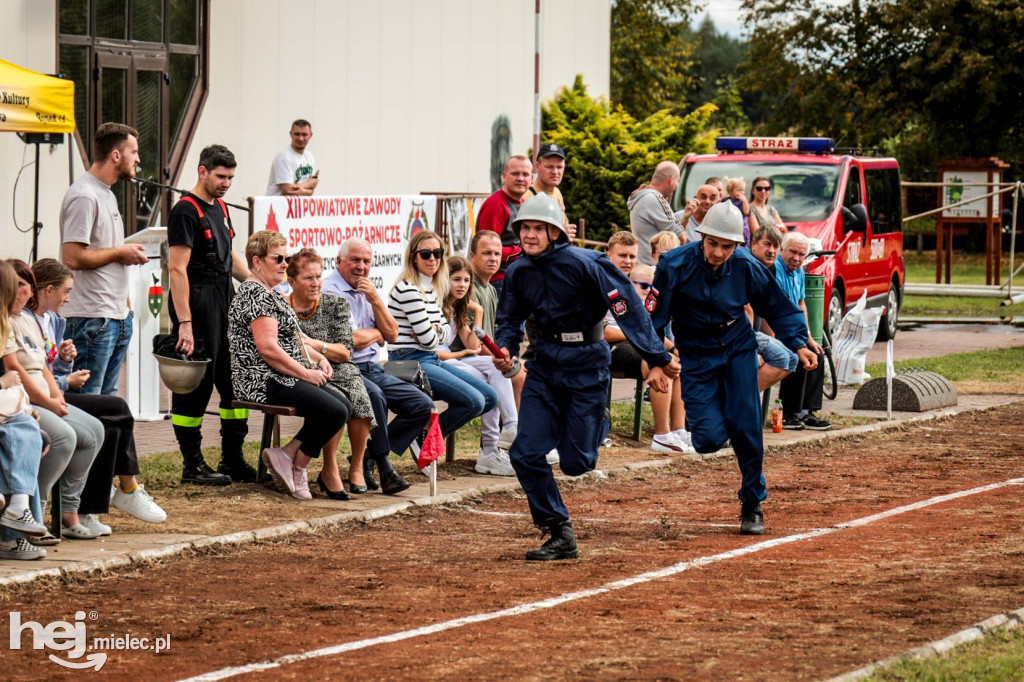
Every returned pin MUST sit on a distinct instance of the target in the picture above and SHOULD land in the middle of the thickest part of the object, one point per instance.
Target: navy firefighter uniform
(568, 291)
(718, 352)
(206, 229)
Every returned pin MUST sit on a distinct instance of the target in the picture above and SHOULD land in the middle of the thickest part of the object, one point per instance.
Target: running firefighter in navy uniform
(201, 266)
(568, 291)
(702, 288)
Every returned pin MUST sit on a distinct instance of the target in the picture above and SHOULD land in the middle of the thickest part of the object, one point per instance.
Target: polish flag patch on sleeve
(616, 303)
(651, 302)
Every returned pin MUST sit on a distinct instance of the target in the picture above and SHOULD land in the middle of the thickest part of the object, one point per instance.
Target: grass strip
(997, 657)
(1003, 365)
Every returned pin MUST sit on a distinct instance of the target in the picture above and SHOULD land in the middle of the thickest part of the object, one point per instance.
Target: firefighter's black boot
(196, 471)
(232, 463)
(561, 544)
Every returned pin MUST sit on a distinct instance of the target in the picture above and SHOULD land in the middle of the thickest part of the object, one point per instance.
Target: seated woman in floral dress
(269, 365)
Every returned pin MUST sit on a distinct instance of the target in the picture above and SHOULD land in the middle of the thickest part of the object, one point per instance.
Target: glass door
(133, 90)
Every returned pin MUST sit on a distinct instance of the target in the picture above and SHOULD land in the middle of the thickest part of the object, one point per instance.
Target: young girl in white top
(422, 327)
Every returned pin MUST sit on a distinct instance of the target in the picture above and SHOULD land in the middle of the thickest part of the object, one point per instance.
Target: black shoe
(751, 519)
(368, 466)
(815, 424)
(237, 470)
(202, 474)
(561, 545)
(392, 483)
(354, 489)
(332, 494)
(793, 423)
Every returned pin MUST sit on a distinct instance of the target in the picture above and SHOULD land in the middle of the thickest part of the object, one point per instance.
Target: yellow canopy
(31, 102)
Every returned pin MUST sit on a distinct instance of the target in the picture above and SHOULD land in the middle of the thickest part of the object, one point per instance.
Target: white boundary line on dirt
(312, 525)
(552, 602)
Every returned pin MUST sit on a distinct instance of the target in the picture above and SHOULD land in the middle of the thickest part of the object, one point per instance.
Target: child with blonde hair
(735, 189)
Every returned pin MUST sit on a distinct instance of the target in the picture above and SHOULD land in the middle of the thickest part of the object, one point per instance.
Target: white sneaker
(507, 437)
(21, 550)
(139, 504)
(552, 457)
(683, 435)
(668, 442)
(93, 525)
(495, 463)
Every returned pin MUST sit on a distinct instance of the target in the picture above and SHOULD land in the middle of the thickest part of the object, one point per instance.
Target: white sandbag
(856, 336)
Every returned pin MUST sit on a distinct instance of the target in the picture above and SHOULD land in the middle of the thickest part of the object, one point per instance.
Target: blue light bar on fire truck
(819, 145)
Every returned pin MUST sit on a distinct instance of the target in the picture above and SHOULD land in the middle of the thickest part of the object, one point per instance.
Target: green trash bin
(814, 297)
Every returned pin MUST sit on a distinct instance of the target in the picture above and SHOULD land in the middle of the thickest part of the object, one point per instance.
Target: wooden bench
(271, 428)
(638, 402)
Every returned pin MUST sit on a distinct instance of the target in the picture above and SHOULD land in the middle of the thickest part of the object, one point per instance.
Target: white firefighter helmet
(181, 376)
(724, 221)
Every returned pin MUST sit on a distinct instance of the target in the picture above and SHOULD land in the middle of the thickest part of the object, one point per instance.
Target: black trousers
(789, 389)
(209, 301)
(117, 457)
(325, 412)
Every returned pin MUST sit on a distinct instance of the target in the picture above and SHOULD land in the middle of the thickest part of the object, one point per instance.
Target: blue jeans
(20, 448)
(775, 352)
(410, 405)
(101, 343)
(467, 396)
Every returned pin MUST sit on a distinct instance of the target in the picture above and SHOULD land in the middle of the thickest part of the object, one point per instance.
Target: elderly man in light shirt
(372, 327)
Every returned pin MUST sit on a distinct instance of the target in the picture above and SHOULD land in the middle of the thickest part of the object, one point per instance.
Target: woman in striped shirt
(422, 328)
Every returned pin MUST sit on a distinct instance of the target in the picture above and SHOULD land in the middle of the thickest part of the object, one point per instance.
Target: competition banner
(31, 102)
(323, 223)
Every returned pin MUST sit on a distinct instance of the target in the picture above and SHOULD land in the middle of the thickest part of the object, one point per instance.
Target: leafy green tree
(926, 79)
(611, 153)
(650, 57)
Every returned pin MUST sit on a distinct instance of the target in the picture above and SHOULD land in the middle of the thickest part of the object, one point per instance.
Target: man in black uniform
(201, 266)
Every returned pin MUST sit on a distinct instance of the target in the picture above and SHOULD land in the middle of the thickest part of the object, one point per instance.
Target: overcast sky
(726, 15)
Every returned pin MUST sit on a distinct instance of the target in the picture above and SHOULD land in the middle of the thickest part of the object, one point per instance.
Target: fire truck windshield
(801, 192)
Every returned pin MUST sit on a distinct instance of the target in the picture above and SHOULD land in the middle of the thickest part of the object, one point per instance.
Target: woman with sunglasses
(270, 365)
(422, 327)
(760, 210)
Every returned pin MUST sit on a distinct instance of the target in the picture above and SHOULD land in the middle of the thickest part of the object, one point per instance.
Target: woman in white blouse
(422, 327)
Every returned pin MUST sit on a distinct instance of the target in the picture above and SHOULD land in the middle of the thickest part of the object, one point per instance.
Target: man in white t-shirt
(92, 245)
(294, 170)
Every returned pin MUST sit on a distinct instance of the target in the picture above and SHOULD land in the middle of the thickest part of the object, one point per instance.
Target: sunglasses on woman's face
(644, 286)
(427, 254)
(761, 189)
(277, 258)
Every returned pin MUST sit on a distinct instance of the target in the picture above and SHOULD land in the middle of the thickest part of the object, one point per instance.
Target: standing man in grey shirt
(650, 211)
(92, 245)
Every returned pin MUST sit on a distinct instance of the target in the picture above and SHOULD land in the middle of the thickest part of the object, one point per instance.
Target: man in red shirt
(500, 209)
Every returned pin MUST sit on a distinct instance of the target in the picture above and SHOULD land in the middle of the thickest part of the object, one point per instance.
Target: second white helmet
(723, 220)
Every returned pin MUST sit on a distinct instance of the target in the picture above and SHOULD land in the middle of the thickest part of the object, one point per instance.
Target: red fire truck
(843, 202)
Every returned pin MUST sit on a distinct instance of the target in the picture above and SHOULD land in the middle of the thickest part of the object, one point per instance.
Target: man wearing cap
(500, 209)
(568, 290)
(702, 288)
(550, 168)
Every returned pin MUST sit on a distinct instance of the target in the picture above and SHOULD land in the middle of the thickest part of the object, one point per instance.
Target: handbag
(408, 371)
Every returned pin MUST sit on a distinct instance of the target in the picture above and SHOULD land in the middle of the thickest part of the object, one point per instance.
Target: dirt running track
(809, 608)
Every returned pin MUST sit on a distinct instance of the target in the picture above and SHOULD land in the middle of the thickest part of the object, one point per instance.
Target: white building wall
(28, 38)
(401, 93)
